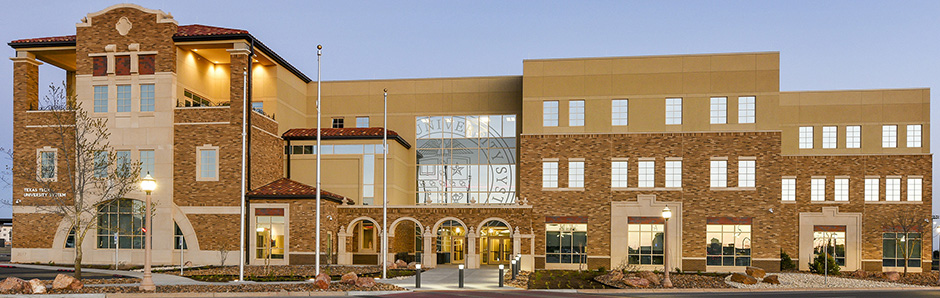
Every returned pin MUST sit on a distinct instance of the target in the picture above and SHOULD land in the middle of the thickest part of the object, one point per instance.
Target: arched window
(179, 242)
(123, 218)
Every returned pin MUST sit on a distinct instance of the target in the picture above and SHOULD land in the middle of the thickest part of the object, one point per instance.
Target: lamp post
(667, 214)
(147, 184)
(931, 253)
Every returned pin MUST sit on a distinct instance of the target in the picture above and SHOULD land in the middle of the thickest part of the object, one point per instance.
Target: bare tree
(86, 174)
(906, 223)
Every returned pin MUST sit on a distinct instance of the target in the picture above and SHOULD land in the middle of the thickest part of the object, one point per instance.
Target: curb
(739, 290)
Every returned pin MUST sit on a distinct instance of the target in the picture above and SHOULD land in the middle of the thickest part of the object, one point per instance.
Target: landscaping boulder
(349, 278)
(64, 281)
(743, 278)
(413, 266)
(859, 274)
(755, 272)
(401, 264)
(36, 286)
(614, 275)
(653, 278)
(15, 285)
(771, 279)
(636, 282)
(322, 281)
(892, 276)
(390, 265)
(365, 282)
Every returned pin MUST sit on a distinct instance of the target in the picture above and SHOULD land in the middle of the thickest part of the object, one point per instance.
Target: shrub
(786, 263)
(404, 256)
(819, 265)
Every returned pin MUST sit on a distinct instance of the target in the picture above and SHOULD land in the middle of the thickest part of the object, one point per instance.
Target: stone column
(239, 56)
(528, 260)
(429, 257)
(516, 243)
(343, 257)
(473, 259)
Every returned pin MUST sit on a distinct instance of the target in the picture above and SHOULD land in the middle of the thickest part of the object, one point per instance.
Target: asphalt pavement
(43, 273)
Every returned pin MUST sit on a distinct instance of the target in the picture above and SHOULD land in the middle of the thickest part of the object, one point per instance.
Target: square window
(124, 98)
(208, 164)
(576, 174)
(746, 173)
(550, 113)
(550, 174)
(806, 137)
(829, 136)
(818, 189)
(915, 189)
(719, 110)
(893, 189)
(788, 189)
(101, 99)
(746, 109)
(576, 113)
(719, 173)
(673, 173)
(872, 191)
(146, 98)
(619, 112)
(913, 136)
(337, 122)
(646, 174)
(841, 190)
(618, 174)
(362, 121)
(673, 111)
(853, 136)
(889, 136)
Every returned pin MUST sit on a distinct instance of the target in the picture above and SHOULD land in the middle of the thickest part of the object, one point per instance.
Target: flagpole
(385, 188)
(319, 48)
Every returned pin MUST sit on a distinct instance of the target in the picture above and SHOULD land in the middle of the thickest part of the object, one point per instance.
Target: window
(576, 113)
(893, 189)
(123, 218)
(146, 163)
(368, 179)
(645, 173)
(830, 240)
(915, 189)
(788, 189)
(618, 174)
(818, 189)
(257, 106)
(806, 137)
(897, 246)
(146, 98)
(746, 109)
(550, 113)
(619, 112)
(746, 173)
(101, 164)
(719, 110)
(565, 243)
(194, 100)
(549, 174)
(47, 165)
(179, 242)
(337, 122)
(673, 173)
(645, 241)
(269, 233)
(123, 160)
(362, 121)
(122, 65)
(842, 189)
(913, 136)
(853, 136)
(208, 167)
(101, 99)
(70, 240)
(145, 64)
(728, 245)
(576, 174)
(124, 98)
(719, 173)
(674, 111)
(99, 66)
(889, 136)
(829, 136)
(872, 191)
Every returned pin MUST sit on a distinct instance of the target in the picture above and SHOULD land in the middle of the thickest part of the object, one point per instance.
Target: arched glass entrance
(495, 243)
(451, 242)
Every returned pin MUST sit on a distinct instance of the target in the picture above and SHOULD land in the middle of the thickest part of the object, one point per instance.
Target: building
(568, 165)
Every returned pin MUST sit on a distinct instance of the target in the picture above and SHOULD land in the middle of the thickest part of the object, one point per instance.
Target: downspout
(288, 152)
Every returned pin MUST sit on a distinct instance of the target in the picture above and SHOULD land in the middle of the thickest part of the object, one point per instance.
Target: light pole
(931, 253)
(667, 214)
(147, 184)
(319, 53)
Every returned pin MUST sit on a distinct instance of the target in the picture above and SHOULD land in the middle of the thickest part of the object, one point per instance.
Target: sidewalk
(444, 278)
(158, 278)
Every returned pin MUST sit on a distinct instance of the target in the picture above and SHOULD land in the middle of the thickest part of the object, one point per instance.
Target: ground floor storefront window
(451, 242)
(269, 233)
(897, 246)
(728, 244)
(831, 238)
(565, 243)
(645, 241)
(122, 219)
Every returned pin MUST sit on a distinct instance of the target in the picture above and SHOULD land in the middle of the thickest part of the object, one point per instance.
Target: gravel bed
(251, 287)
(110, 281)
(292, 270)
(920, 279)
(679, 281)
(807, 280)
(522, 279)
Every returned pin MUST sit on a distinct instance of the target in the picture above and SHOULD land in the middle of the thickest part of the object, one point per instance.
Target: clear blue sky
(823, 44)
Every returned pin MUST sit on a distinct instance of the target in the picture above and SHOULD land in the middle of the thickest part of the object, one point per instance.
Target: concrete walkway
(445, 277)
(158, 278)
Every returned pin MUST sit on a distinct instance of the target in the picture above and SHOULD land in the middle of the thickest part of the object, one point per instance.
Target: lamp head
(319, 47)
(667, 214)
(260, 229)
(460, 266)
(148, 184)
(501, 267)
(418, 266)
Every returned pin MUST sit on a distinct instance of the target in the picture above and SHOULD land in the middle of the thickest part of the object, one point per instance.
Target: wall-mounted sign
(29, 192)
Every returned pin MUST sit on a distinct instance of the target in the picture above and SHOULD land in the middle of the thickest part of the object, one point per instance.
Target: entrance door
(497, 251)
(458, 255)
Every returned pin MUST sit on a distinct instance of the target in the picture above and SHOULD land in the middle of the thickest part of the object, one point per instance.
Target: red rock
(365, 282)
(859, 274)
(390, 265)
(892, 276)
(755, 272)
(36, 286)
(614, 275)
(14, 285)
(772, 279)
(64, 281)
(743, 278)
(401, 264)
(413, 266)
(653, 278)
(349, 278)
(322, 281)
(636, 282)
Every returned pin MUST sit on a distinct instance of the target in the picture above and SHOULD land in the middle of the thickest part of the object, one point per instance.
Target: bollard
(460, 279)
(518, 264)
(513, 269)
(501, 275)
(418, 276)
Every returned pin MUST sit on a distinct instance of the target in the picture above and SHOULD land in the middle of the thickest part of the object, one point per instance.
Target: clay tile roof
(186, 30)
(286, 188)
(360, 133)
